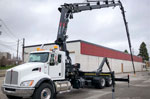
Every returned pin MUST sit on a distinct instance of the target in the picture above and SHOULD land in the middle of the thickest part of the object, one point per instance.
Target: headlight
(27, 83)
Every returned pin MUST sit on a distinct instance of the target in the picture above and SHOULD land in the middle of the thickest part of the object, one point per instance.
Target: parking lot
(139, 89)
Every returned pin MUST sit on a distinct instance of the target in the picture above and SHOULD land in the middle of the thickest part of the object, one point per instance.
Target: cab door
(55, 68)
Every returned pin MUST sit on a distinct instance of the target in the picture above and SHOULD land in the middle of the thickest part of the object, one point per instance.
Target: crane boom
(67, 11)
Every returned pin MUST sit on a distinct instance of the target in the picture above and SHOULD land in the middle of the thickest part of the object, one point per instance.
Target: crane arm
(67, 11)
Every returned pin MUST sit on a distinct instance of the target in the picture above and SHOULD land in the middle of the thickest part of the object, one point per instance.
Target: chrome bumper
(18, 91)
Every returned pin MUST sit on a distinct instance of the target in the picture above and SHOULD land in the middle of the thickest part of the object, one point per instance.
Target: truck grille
(11, 77)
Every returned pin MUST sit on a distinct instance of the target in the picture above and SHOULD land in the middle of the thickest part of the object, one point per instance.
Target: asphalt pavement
(139, 89)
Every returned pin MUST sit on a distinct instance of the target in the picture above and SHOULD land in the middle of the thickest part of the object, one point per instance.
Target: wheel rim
(103, 82)
(110, 81)
(46, 93)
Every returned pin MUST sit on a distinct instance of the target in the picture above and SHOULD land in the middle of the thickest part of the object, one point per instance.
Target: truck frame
(49, 72)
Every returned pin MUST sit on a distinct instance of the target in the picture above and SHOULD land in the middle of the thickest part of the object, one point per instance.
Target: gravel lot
(139, 89)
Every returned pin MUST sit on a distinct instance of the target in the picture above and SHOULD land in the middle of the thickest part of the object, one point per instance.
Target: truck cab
(42, 66)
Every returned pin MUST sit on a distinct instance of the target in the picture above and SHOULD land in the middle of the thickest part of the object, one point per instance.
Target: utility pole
(23, 50)
(17, 50)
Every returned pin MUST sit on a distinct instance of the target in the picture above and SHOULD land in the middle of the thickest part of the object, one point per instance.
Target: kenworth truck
(49, 72)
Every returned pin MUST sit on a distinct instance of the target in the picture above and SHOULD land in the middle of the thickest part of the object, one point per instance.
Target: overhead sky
(37, 21)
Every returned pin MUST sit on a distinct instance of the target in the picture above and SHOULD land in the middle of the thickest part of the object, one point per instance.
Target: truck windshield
(39, 57)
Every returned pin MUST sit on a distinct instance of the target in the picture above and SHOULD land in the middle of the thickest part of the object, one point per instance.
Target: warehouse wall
(125, 65)
(91, 63)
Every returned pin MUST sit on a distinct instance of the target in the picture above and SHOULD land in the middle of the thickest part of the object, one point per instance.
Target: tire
(13, 97)
(108, 82)
(101, 83)
(44, 91)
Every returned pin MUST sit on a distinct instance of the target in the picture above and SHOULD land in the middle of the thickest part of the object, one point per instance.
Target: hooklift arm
(67, 11)
(99, 70)
(102, 64)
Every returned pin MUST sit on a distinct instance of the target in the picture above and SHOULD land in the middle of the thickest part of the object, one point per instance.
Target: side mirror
(52, 63)
(59, 58)
(52, 60)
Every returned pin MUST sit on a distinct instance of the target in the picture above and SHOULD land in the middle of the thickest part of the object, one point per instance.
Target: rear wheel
(101, 83)
(108, 82)
(45, 91)
(13, 97)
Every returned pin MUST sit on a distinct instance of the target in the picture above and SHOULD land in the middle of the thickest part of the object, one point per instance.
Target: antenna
(42, 46)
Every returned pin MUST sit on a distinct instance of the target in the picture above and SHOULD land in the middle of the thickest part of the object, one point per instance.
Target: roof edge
(52, 43)
(72, 41)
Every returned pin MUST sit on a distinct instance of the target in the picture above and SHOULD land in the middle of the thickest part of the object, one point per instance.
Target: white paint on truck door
(55, 68)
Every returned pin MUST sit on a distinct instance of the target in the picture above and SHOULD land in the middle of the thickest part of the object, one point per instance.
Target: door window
(59, 58)
(52, 60)
(55, 59)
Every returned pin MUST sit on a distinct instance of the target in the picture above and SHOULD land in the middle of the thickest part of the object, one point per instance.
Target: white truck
(44, 75)
(49, 72)
(37, 76)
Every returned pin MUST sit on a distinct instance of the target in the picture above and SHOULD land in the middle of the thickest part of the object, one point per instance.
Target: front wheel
(45, 91)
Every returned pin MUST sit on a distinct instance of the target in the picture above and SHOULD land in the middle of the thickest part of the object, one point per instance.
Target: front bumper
(17, 91)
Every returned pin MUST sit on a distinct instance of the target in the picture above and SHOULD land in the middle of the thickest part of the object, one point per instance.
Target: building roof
(54, 43)
(88, 48)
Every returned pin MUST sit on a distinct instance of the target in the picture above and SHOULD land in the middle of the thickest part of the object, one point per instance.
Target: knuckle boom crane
(67, 11)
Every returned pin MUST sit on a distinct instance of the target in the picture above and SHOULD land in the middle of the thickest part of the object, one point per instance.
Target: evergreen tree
(126, 51)
(143, 52)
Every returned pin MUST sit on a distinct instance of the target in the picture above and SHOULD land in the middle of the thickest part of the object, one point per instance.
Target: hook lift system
(49, 72)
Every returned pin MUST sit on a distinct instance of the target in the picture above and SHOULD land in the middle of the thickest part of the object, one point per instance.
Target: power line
(9, 47)
(7, 42)
(9, 31)
(11, 43)
(10, 36)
